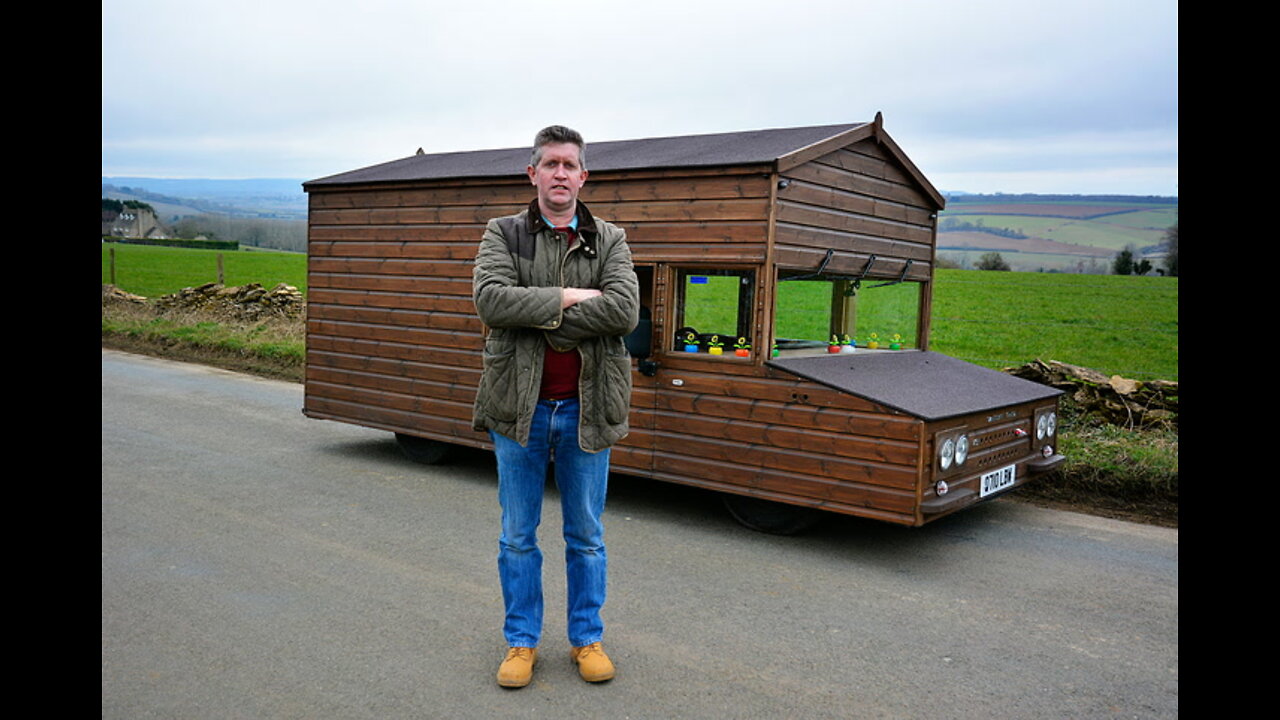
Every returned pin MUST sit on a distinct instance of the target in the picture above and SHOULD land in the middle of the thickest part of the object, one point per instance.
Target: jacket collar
(587, 230)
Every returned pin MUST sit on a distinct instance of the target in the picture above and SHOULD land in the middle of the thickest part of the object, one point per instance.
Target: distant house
(131, 222)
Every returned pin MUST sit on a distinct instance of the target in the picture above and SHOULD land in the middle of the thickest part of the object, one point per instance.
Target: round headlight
(1042, 426)
(947, 453)
(1051, 426)
(941, 488)
(1047, 451)
(962, 449)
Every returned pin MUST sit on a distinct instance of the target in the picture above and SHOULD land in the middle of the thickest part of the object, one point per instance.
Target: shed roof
(684, 151)
(918, 382)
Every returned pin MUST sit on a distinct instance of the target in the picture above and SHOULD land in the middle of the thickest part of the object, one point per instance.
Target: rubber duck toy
(833, 345)
(895, 342)
(714, 346)
(742, 348)
(873, 342)
(691, 342)
(847, 345)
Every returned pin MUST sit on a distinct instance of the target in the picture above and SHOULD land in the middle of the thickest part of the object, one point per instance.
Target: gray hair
(558, 134)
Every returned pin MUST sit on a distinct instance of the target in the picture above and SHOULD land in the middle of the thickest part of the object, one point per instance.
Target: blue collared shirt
(573, 224)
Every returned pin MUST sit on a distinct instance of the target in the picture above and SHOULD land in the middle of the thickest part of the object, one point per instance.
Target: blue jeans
(582, 478)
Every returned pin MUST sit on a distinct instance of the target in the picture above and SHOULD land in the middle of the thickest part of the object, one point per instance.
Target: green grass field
(1118, 325)
(1122, 325)
(153, 271)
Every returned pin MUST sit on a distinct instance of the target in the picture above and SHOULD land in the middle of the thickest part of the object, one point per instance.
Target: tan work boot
(516, 669)
(593, 664)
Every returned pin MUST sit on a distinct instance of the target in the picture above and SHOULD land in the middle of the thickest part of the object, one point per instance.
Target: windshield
(815, 312)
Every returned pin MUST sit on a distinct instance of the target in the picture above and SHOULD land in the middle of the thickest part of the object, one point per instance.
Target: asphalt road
(260, 564)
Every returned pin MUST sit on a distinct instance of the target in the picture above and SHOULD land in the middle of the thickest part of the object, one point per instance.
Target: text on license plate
(996, 480)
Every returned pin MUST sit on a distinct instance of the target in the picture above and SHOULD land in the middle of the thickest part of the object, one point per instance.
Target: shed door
(635, 453)
(706, 350)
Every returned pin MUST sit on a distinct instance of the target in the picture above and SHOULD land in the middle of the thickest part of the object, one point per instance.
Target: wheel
(428, 452)
(770, 517)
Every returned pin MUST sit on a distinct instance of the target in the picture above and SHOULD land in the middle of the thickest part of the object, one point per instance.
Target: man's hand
(573, 296)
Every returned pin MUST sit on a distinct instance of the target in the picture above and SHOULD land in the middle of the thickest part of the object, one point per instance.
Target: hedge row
(177, 242)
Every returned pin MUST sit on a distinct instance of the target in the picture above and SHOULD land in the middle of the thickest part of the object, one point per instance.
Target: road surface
(260, 564)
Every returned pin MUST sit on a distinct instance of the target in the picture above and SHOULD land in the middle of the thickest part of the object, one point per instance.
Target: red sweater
(560, 370)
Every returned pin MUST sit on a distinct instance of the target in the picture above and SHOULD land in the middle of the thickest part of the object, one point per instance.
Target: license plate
(996, 480)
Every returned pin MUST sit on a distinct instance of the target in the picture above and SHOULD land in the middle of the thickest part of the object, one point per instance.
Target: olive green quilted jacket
(520, 268)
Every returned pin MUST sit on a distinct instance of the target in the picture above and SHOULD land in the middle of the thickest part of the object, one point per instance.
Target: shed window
(714, 312)
(815, 312)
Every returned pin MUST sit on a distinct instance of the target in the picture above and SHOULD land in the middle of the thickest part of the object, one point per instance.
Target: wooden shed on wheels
(757, 253)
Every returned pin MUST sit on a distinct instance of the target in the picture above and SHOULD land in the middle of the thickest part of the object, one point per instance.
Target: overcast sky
(1058, 96)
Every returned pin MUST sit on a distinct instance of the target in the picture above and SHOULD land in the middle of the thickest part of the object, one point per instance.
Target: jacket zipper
(563, 260)
(564, 257)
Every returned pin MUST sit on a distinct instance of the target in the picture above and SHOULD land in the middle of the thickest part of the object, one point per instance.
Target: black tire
(427, 452)
(770, 517)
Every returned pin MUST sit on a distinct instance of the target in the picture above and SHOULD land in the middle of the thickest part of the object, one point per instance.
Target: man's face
(559, 176)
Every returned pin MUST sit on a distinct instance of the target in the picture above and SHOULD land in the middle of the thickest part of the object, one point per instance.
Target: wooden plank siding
(858, 202)
(393, 341)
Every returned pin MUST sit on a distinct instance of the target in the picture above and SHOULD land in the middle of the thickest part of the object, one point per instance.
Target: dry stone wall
(243, 302)
(1121, 401)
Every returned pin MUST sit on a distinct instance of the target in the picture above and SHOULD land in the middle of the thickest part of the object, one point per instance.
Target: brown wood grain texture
(466, 356)
(819, 173)
(378, 299)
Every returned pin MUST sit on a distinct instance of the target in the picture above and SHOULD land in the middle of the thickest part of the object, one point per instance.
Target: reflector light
(941, 487)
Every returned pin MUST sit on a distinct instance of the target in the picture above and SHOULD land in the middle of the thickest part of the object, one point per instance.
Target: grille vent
(998, 436)
(1000, 458)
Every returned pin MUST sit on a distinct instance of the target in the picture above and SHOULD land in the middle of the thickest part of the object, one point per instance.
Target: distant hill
(266, 213)
(256, 197)
(1067, 233)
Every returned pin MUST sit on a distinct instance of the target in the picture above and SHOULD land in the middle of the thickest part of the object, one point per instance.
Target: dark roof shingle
(921, 383)
(719, 149)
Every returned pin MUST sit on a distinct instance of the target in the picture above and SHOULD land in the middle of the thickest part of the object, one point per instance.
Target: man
(557, 291)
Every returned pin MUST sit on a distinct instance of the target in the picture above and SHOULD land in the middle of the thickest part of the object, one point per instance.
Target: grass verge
(274, 347)
(1110, 471)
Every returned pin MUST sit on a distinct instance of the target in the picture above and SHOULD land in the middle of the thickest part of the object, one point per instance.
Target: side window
(713, 312)
(821, 314)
